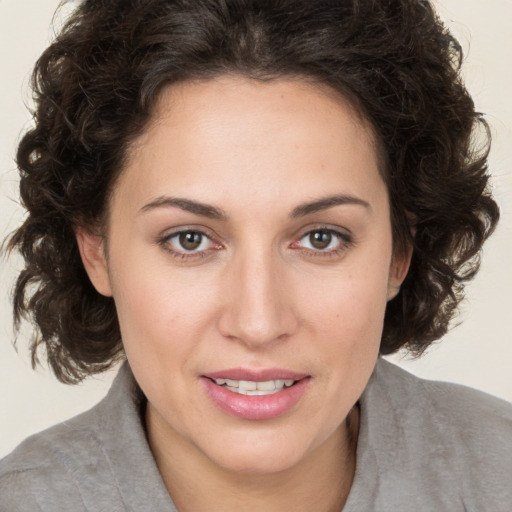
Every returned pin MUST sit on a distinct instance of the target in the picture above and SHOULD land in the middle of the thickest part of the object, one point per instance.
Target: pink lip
(256, 375)
(256, 407)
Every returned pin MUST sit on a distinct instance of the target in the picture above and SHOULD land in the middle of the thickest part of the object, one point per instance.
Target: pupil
(320, 239)
(190, 240)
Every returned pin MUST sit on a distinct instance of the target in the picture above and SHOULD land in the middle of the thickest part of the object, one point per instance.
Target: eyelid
(204, 240)
(345, 237)
(340, 231)
(164, 242)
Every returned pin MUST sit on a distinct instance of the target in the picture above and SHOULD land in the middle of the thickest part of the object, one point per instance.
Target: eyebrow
(212, 212)
(203, 209)
(328, 202)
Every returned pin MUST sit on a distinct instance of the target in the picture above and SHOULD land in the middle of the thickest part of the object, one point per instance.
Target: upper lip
(260, 375)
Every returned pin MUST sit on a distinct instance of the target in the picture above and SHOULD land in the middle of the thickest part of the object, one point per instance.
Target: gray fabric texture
(423, 446)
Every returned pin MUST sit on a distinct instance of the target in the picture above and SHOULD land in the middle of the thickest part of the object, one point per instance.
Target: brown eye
(320, 239)
(190, 240)
(324, 241)
(189, 244)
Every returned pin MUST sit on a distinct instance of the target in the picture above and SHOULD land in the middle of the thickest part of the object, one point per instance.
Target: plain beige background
(477, 353)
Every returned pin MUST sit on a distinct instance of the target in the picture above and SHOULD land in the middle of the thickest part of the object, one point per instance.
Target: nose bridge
(258, 310)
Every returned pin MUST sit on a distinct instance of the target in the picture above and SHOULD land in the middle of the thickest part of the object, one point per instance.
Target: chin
(257, 457)
(256, 464)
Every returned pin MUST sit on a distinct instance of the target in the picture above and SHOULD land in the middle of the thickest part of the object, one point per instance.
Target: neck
(321, 481)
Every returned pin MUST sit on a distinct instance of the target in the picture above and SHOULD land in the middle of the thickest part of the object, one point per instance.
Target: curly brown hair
(95, 87)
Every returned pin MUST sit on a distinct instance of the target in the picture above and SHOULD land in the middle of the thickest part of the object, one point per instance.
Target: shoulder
(445, 394)
(445, 436)
(69, 466)
(479, 426)
(42, 472)
(461, 410)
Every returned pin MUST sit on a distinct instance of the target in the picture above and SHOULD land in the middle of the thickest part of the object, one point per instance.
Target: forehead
(235, 99)
(238, 134)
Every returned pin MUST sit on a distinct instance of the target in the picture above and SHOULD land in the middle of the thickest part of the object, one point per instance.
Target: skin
(257, 294)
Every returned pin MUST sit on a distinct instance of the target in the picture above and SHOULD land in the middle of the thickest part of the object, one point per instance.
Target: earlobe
(92, 252)
(398, 272)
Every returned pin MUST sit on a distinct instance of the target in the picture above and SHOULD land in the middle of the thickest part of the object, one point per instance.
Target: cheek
(351, 305)
(160, 311)
(348, 333)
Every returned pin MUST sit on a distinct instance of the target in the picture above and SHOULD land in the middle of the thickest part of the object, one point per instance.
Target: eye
(188, 242)
(325, 240)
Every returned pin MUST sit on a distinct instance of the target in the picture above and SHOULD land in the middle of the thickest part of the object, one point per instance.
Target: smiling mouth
(256, 395)
(255, 388)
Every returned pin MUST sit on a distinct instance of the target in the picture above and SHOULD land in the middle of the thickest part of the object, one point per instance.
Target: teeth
(267, 385)
(248, 387)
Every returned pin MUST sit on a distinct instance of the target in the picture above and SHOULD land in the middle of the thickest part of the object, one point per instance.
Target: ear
(397, 272)
(92, 252)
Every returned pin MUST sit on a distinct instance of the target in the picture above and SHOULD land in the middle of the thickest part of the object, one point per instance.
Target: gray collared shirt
(423, 446)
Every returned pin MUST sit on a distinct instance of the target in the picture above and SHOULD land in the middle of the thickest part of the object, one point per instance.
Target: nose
(258, 308)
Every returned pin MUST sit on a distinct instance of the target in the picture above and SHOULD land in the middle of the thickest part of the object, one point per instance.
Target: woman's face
(249, 240)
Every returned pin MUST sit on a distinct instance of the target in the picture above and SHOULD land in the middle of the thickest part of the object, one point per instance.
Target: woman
(251, 201)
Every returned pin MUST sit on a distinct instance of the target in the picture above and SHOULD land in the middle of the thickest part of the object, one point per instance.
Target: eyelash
(344, 242)
(166, 244)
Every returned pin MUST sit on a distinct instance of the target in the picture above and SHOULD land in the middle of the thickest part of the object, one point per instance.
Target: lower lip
(256, 407)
